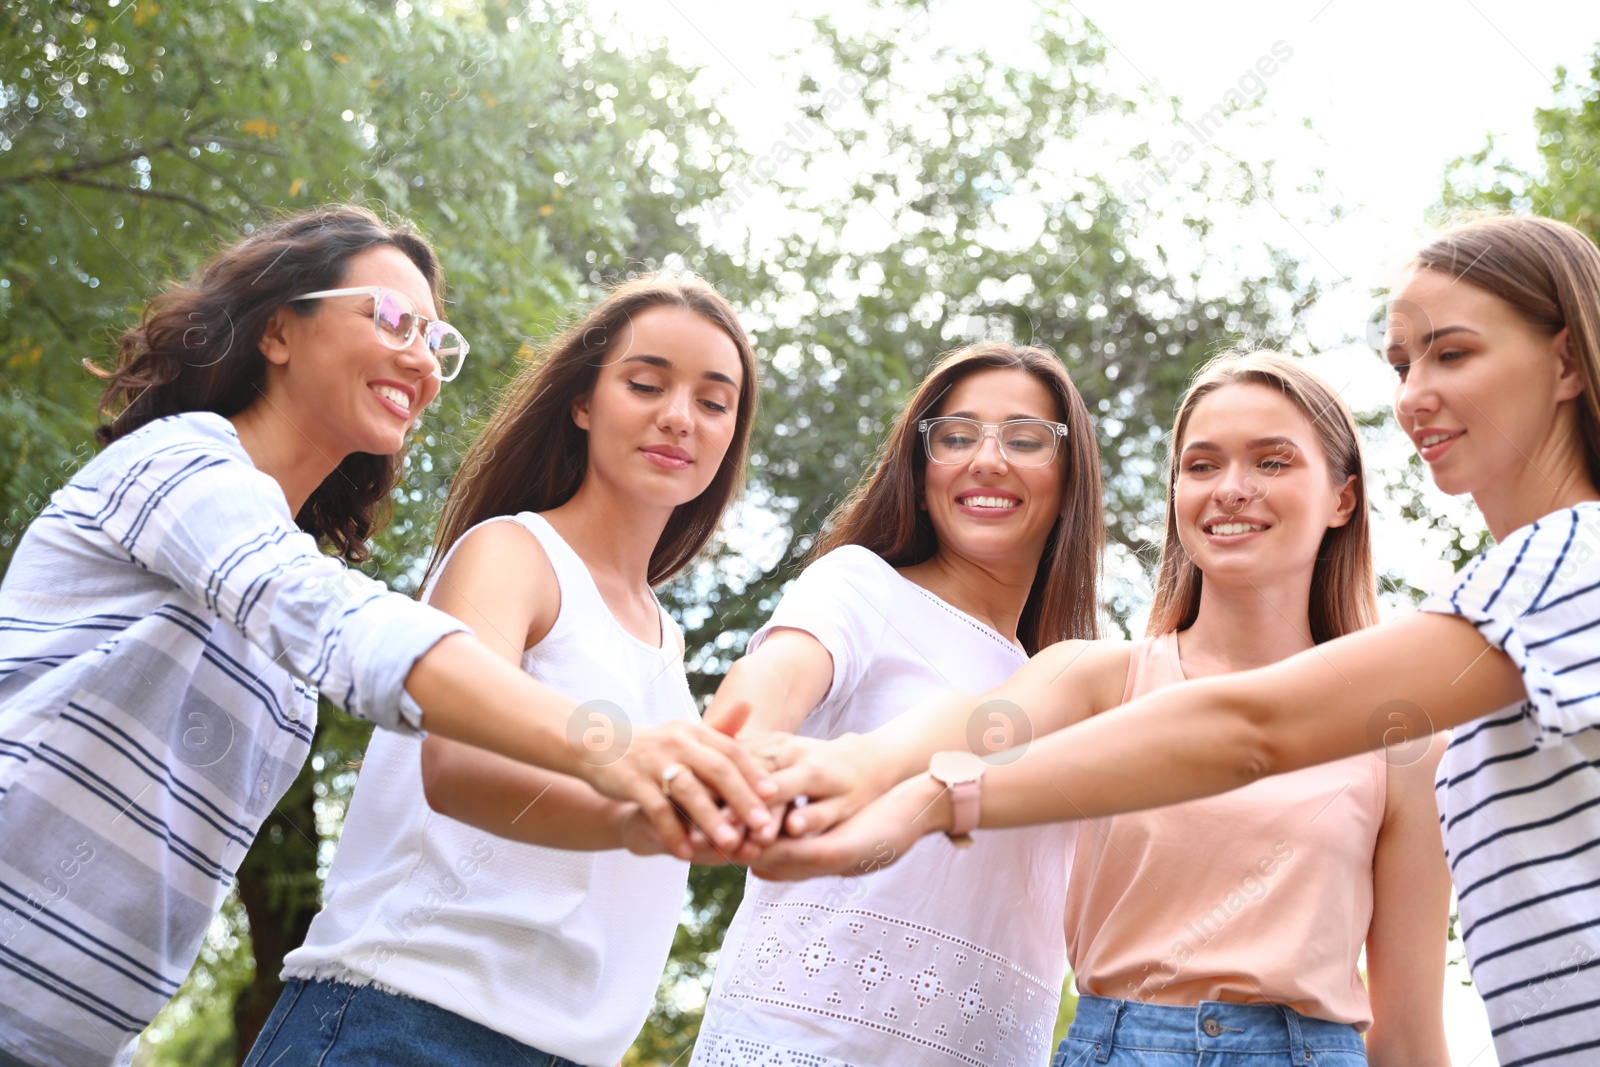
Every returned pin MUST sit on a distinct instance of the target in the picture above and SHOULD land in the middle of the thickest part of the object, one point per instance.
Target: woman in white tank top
(975, 542)
(507, 922)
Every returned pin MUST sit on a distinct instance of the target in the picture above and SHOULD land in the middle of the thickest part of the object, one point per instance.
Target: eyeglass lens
(1025, 444)
(397, 323)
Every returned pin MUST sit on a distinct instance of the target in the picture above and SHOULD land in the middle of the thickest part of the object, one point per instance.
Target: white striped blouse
(1519, 793)
(164, 630)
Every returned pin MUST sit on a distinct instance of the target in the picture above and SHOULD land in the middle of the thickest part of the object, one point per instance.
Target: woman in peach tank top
(1228, 931)
(1233, 926)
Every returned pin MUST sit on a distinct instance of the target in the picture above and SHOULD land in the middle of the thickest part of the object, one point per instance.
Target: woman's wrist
(877, 768)
(935, 811)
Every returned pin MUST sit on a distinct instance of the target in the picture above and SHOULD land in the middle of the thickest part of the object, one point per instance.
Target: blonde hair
(1344, 595)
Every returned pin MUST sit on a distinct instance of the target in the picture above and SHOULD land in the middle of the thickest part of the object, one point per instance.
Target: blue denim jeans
(334, 1024)
(1127, 1033)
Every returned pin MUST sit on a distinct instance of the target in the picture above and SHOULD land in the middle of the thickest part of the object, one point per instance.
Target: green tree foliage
(1566, 183)
(138, 137)
(544, 159)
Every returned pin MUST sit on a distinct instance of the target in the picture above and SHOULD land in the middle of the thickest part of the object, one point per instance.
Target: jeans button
(1211, 1027)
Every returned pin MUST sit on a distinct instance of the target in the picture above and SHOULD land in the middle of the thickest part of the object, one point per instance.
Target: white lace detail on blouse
(901, 978)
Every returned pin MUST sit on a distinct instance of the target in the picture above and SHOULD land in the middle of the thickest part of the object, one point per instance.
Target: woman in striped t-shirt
(1495, 338)
(166, 617)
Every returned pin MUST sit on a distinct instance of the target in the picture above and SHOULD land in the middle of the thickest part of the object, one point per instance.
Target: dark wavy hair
(197, 348)
(532, 456)
(881, 512)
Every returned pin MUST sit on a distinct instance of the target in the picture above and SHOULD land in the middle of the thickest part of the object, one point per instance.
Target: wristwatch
(961, 773)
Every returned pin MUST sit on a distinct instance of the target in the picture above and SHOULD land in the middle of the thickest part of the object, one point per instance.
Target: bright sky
(1393, 90)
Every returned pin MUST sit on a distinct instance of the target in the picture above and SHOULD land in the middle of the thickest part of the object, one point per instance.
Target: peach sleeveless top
(1260, 895)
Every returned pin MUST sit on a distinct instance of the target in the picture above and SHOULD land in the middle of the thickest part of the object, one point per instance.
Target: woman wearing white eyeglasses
(169, 618)
(964, 552)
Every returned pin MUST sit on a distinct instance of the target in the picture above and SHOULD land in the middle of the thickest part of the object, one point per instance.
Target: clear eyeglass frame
(397, 323)
(1057, 433)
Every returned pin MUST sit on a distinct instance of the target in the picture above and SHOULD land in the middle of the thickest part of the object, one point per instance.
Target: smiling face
(986, 509)
(344, 389)
(663, 409)
(1254, 495)
(1480, 389)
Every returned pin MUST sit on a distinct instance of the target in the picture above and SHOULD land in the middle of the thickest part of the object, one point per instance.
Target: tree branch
(200, 140)
(153, 194)
(67, 173)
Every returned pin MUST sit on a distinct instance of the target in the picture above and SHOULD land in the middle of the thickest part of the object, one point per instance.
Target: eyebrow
(1009, 418)
(1429, 338)
(1259, 442)
(666, 364)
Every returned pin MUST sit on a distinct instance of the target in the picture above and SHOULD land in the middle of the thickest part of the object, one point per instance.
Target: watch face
(953, 768)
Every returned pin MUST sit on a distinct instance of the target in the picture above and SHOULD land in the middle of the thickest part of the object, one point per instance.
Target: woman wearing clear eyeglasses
(974, 542)
(169, 618)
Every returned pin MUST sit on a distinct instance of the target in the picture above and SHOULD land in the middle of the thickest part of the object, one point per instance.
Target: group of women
(1195, 821)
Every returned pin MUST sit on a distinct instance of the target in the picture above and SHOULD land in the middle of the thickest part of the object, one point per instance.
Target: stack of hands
(788, 807)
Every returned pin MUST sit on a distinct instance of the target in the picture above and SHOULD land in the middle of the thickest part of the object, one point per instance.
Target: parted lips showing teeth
(988, 501)
(1229, 529)
(397, 397)
(1434, 439)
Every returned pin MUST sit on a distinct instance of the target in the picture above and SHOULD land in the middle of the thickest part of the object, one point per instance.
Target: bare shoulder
(499, 550)
(499, 580)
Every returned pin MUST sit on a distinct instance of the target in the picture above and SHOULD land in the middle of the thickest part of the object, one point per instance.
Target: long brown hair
(1550, 273)
(196, 348)
(881, 512)
(531, 456)
(1344, 595)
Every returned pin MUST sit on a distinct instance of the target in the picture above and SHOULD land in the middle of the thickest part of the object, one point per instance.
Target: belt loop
(1108, 1040)
(1299, 1051)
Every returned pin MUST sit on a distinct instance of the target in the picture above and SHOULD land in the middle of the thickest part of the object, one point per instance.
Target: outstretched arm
(500, 583)
(1062, 685)
(199, 513)
(1384, 685)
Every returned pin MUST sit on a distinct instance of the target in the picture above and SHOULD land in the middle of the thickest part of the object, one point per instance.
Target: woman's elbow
(436, 773)
(1255, 731)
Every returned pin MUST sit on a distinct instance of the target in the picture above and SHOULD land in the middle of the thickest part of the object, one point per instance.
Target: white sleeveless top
(951, 956)
(559, 950)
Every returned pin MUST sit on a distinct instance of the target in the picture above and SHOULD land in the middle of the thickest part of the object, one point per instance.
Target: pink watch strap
(965, 806)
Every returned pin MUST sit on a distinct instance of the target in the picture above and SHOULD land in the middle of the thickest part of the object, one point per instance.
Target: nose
(675, 415)
(1238, 487)
(418, 357)
(1415, 395)
(988, 458)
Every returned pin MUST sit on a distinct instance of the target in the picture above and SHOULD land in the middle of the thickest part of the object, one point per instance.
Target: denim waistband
(1211, 1026)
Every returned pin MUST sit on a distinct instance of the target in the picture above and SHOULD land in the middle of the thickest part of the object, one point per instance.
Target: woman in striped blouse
(1495, 339)
(169, 618)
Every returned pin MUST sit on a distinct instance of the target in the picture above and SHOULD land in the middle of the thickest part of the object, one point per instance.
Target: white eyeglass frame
(986, 429)
(422, 322)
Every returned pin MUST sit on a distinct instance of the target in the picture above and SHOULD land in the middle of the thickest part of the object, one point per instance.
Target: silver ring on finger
(668, 773)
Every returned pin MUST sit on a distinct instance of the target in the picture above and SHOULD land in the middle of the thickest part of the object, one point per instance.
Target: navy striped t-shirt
(1519, 793)
(163, 625)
